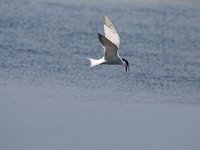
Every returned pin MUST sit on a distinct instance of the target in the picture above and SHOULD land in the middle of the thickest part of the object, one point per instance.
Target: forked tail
(95, 62)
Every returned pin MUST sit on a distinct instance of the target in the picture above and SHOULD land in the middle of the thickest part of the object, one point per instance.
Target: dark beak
(127, 68)
(126, 64)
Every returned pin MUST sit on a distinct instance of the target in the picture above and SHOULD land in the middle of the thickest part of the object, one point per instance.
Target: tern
(110, 43)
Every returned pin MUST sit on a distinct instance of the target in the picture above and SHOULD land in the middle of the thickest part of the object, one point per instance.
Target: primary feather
(111, 32)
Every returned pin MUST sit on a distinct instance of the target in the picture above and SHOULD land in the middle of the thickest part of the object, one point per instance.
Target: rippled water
(46, 42)
(51, 99)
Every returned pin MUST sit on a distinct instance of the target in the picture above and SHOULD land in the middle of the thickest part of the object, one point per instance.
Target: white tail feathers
(95, 62)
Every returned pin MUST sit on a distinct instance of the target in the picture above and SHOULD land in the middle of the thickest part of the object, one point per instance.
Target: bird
(110, 43)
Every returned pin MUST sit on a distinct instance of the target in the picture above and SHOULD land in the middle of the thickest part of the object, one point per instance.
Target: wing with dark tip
(110, 32)
(110, 49)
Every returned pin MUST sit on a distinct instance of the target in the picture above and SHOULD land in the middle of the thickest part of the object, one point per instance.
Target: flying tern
(110, 43)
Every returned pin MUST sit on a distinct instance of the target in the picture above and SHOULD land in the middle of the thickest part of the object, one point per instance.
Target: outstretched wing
(110, 49)
(110, 32)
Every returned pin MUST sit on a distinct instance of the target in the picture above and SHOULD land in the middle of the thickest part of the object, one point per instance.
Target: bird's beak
(126, 68)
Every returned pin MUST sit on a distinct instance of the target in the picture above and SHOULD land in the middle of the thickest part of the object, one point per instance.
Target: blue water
(44, 42)
(51, 99)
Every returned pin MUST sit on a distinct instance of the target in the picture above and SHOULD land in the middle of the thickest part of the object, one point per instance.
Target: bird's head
(126, 64)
